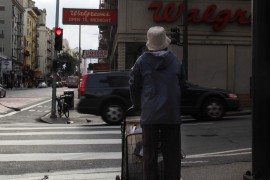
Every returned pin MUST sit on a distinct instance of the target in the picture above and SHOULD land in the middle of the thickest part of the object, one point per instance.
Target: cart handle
(132, 112)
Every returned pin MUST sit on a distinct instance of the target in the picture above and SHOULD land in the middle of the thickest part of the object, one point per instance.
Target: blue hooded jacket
(155, 90)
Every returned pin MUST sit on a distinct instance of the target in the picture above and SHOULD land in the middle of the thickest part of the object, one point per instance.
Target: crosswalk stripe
(86, 174)
(59, 133)
(56, 127)
(59, 142)
(58, 156)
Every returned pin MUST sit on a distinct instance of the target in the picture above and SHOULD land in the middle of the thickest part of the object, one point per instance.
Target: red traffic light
(58, 31)
(58, 39)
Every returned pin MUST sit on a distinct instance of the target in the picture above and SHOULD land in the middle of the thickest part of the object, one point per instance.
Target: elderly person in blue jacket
(155, 82)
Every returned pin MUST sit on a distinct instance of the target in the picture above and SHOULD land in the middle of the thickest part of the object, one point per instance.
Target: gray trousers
(169, 136)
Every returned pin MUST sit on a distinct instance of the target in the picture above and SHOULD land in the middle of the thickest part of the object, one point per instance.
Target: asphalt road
(36, 149)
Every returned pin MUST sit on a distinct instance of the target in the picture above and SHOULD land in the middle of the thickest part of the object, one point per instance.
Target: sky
(89, 33)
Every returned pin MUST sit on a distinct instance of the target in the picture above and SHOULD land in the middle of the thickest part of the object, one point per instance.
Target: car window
(105, 81)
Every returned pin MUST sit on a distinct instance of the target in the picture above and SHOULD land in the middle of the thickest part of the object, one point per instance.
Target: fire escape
(107, 33)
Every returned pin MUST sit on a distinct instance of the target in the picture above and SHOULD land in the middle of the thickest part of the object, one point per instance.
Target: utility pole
(53, 109)
(260, 88)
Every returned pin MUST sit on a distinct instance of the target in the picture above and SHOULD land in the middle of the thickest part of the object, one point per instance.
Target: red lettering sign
(95, 53)
(218, 20)
(101, 67)
(89, 16)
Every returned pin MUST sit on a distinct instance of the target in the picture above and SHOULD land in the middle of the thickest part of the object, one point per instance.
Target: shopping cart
(131, 168)
(132, 151)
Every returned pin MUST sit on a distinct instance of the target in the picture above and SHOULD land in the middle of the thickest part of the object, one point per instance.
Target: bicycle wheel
(66, 110)
(59, 109)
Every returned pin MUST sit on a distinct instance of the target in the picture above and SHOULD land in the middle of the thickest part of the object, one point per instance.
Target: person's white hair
(157, 39)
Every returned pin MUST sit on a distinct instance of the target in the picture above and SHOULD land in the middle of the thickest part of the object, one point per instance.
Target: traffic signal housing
(175, 35)
(58, 39)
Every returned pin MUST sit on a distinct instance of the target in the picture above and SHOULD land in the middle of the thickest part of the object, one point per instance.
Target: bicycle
(62, 106)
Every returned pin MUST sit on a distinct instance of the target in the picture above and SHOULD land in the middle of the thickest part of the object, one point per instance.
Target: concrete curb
(78, 118)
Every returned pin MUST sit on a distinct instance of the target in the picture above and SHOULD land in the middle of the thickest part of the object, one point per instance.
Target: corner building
(219, 39)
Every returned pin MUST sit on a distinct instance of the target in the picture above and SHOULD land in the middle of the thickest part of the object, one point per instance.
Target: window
(2, 21)
(106, 81)
(2, 8)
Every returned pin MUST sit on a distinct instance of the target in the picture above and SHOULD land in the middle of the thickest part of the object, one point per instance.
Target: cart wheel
(117, 177)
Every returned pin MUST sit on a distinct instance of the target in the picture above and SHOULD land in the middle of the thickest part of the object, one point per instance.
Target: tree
(67, 63)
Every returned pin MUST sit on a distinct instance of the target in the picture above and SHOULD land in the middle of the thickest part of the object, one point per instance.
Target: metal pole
(2, 47)
(260, 88)
(185, 36)
(53, 110)
(79, 66)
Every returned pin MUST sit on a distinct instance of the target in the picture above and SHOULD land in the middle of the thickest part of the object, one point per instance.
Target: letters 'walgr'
(218, 19)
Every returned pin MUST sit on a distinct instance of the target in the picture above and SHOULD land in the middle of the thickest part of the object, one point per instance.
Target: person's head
(157, 39)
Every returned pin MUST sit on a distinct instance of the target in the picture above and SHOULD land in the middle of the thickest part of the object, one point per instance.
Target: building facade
(23, 61)
(30, 63)
(219, 39)
(45, 52)
(45, 48)
(11, 41)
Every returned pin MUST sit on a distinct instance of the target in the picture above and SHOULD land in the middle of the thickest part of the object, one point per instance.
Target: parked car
(64, 83)
(3, 91)
(72, 81)
(42, 85)
(107, 95)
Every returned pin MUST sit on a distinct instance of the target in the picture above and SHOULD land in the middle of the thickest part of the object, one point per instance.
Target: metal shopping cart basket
(132, 152)
(132, 168)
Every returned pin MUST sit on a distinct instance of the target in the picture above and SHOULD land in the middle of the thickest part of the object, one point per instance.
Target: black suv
(107, 95)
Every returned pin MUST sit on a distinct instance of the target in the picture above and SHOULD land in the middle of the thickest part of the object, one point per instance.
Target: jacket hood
(159, 59)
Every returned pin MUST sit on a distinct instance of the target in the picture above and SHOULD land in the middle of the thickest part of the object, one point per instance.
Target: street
(85, 150)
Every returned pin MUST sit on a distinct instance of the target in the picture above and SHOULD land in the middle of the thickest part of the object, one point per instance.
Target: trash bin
(69, 98)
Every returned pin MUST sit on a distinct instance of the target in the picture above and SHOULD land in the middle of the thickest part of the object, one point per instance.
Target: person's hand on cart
(133, 111)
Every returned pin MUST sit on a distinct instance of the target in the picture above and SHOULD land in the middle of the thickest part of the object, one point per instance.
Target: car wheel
(113, 113)
(213, 109)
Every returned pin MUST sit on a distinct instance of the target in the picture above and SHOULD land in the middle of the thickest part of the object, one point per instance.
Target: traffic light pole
(53, 109)
(79, 64)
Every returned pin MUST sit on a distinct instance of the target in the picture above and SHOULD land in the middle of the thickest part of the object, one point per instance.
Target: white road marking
(59, 156)
(50, 127)
(58, 133)
(192, 162)
(85, 174)
(24, 109)
(222, 153)
(58, 142)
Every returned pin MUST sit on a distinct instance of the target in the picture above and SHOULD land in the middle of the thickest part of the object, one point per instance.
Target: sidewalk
(233, 171)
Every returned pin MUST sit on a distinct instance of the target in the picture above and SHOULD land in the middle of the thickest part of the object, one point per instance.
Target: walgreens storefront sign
(89, 16)
(217, 18)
